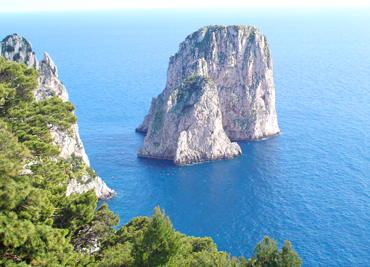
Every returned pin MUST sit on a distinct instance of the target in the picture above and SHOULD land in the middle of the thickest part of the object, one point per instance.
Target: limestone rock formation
(49, 83)
(18, 49)
(191, 129)
(69, 143)
(101, 189)
(237, 60)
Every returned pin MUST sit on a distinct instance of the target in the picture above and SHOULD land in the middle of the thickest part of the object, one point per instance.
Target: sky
(44, 5)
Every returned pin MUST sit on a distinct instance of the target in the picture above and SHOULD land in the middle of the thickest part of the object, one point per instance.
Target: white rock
(18, 49)
(188, 128)
(49, 83)
(69, 142)
(101, 189)
(238, 61)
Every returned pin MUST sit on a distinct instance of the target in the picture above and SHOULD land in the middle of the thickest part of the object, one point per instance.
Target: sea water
(309, 185)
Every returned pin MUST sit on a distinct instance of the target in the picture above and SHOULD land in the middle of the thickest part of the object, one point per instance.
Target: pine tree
(160, 242)
(289, 258)
(266, 254)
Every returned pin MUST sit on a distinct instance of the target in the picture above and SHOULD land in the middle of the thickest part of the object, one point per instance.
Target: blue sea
(309, 185)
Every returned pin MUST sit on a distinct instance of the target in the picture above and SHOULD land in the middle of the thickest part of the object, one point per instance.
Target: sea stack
(18, 49)
(219, 87)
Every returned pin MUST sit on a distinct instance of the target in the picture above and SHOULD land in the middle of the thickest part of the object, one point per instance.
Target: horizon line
(187, 8)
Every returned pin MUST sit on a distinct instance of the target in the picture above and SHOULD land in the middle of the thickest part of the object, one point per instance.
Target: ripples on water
(309, 185)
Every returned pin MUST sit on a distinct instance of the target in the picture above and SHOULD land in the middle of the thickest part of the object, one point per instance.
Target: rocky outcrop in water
(191, 129)
(18, 49)
(237, 61)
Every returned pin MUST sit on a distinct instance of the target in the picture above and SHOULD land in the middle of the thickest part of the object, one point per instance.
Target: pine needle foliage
(159, 243)
(37, 220)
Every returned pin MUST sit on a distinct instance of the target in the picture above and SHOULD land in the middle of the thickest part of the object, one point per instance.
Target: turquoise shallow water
(309, 185)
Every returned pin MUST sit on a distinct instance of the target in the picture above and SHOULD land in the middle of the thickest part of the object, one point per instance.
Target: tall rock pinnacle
(236, 63)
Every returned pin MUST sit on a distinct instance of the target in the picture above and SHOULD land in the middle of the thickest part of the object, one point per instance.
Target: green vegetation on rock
(38, 222)
(30, 120)
(40, 226)
(77, 169)
(192, 84)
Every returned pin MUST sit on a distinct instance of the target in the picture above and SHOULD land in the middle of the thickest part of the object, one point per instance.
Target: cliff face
(101, 189)
(238, 61)
(187, 128)
(18, 49)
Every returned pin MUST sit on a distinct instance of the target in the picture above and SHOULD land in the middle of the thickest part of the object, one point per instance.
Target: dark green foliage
(6, 93)
(78, 211)
(116, 250)
(91, 172)
(26, 232)
(266, 254)
(99, 229)
(192, 84)
(289, 257)
(103, 222)
(19, 77)
(12, 153)
(37, 220)
(130, 232)
(30, 120)
(195, 251)
(157, 123)
(49, 174)
(34, 244)
(142, 242)
(159, 243)
(118, 255)
(77, 169)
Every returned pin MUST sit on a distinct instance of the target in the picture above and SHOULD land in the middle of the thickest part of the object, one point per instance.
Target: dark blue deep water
(310, 185)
